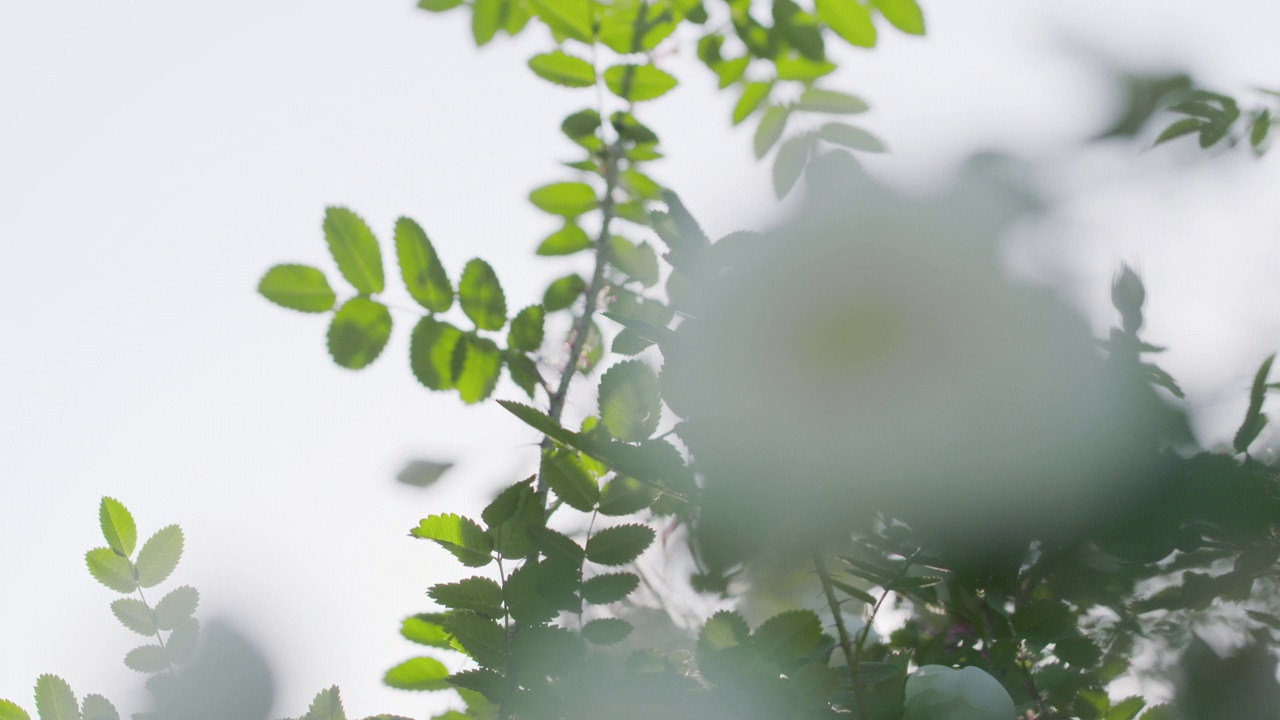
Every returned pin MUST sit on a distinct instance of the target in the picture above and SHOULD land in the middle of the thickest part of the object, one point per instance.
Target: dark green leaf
(563, 292)
(563, 69)
(630, 405)
(54, 699)
(624, 495)
(1185, 126)
(569, 199)
(770, 129)
(354, 249)
(527, 329)
(524, 372)
(420, 673)
(486, 682)
(850, 19)
(565, 241)
(297, 287)
(477, 594)
(904, 14)
(146, 659)
(1261, 126)
(1254, 419)
(566, 18)
(563, 472)
(420, 267)
(831, 102)
(854, 592)
(559, 548)
(638, 83)
(1044, 621)
(135, 615)
(358, 333)
(175, 607)
(425, 629)
(478, 363)
(549, 651)
(609, 588)
(533, 591)
(619, 545)
(606, 631)
(94, 707)
(788, 635)
(431, 351)
(463, 537)
(723, 630)
(481, 296)
(628, 128)
(1126, 709)
(483, 638)
(753, 94)
(117, 526)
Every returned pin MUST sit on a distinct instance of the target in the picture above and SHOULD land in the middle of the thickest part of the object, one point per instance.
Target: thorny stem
(846, 645)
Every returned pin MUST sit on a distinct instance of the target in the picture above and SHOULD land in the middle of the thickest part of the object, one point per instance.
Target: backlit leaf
(638, 83)
(425, 629)
(563, 69)
(568, 199)
(540, 421)
(580, 125)
(420, 267)
(619, 545)
(609, 588)
(638, 260)
(420, 673)
(770, 129)
(850, 19)
(481, 296)
(483, 638)
(477, 594)
(723, 630)
(463, 537)
(431, 350)
(117, 526)
(563, 292)
(904, 14)
(354, 249)
(10, 711)
(54, 699)
(111, 570)
(565, 241)
(524, 373)
(630, 404)
(358, 333)
(486, 682)
(624, 495)
(567, 18)
(729, 72)
(563, 472)
(527, 329)
(298, 287)
(800, 68)
(481, 364)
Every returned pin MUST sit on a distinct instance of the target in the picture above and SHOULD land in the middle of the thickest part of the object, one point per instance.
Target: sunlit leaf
(358, 332)
(11, 711)
(478, 364)
(850, 19)
(638, 83)
(619, 545)
(298, 287)
(565, 241)
(111, 569)
(568, 199)
(481, 296)
(431, 350)
(420, 267)
(527, 329)
(354, 249)
(464, 538)
(567, 18)
(420, 673)
(563, 69)
(904, 14)
(800, 68)
(425, 629)
(729, 72)
(438, 5)
(483, 638)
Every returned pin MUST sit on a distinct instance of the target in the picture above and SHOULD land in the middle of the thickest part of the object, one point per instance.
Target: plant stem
(846, 645)
(159, 638)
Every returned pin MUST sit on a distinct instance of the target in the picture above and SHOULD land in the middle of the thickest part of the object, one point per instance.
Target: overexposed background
(157, 156)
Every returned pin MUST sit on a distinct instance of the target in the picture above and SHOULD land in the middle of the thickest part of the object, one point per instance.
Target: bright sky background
(156, 157)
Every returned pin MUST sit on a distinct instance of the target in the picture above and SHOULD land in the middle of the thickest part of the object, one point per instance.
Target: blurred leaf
(481, 364)
(788, 635)
(1185, 126)
(54, 699)
(854, 592)
(438, 5)
(565, 241)
(135, 615)
(431, 351)
(606, 631)
(630, 404)
(831, 102)
(1126, 709)
(638, 83)
(800, 68)
(524, 373)
(420, 673)
(483, 638)
(609, 588)
(568, 199)
(638, 261)
(10, 711)
(420, 267)
(464, 538)
(181, 645)
(111, 570)
(176, 606)
(790, 162)
(567, 18)
(486, 682)
(753, 93)
(904, 14)
(354, 249)
(358, 333)
(481, 296)
(297, 287)
(849, 19)
(1261, 126)
(486, 18)
(1254, 419)
(94, 707)
(850, 137)
(563, 292)
(425, 629)
(619, 545)
(421, 473)
(729, 72)
(771, 126)
(624, 495)
(527, 329)
(147, 659)
(476, 594)
(563, 69)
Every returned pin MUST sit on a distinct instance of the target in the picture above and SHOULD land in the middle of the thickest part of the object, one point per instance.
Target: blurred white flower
(937, 692)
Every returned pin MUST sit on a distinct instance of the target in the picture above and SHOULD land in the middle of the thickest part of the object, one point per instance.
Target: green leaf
(562, 471)
(629, 128)
(850, 19)
(111, 570)
(619, 545)
(463, 537)
(1159, 712)
(425, 629)
(630, 405)
(770, 129)
(10, 711)
(327, 705)
(831, 102)
(565, 241)
(624, 495)
(1126, 709)
(117, 526)
(582, 125)
(638, 261)
(94, 707)
(298, 287)
(181, 645)
(478, 363)
(788, 635)
(486, 682)
(527, 329)
(563, 292)
(438, 5)
(904, 14)
(560, 549)
(431, 350)
(354, 249)
(632, 26)
(483, 638)
(1254, 419)
(531, 592)
(1185, 126)
(481, 296)
(723, 630)
(638, 83)
(541, 422)
(524, 372)
(1261, 126)
(486, 18)
(420, 267)
(609, 588)
(569, 199)
(1044, 621)
(358, 333)
(789, 163)
(477, 594)
(850, 137)
(563, 69)
(420, 673)
(568, 18)
(175, 607)
(729, 72)
(854, 592)
(147, 659)
(606, 631)
(800, 68)
(54, 699)
(135, 615)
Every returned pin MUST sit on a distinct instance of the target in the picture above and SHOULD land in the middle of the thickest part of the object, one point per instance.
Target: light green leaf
(609, 588)
(159, 556)
(175, 607)
(181, 645)
(420, 673)
(753, 93)
(565, 241)
(111, 570)
(798, 67)
(569, 199)
(135, 615)
(11, 711)
(431, 350)
(486, 18)
(619, 545)
(567, 18)
(298, 287)
(904, 14)
(563, 292)
(1126, 709)
(527, 329)
(438, 5)
(420, 267)
(638, 83)
(789, 163)
(729, 72)
(483, 638)
(147, 659)
(851, 137)
(563, 69)
(850, 19)
(788, 635)
(425, 629)
(354, 249)
(631, 26)
(770, 129)
(638, 261)
(478, 363)
(606, 631)
(630, 404)
(562, 470)
(95, 707)
(540, 421)
(831, 102)
(54, 699)
(117, 526)
(481, 296)
(477, 594)
(464, 538)
(326, 706)
(640, 186)
(358, 333)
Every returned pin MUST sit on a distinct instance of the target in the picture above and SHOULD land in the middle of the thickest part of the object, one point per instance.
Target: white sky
(157, 156)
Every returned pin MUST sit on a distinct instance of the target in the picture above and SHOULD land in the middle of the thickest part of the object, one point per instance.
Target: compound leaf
(112, 570)
(463, 537)
(298, 287)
